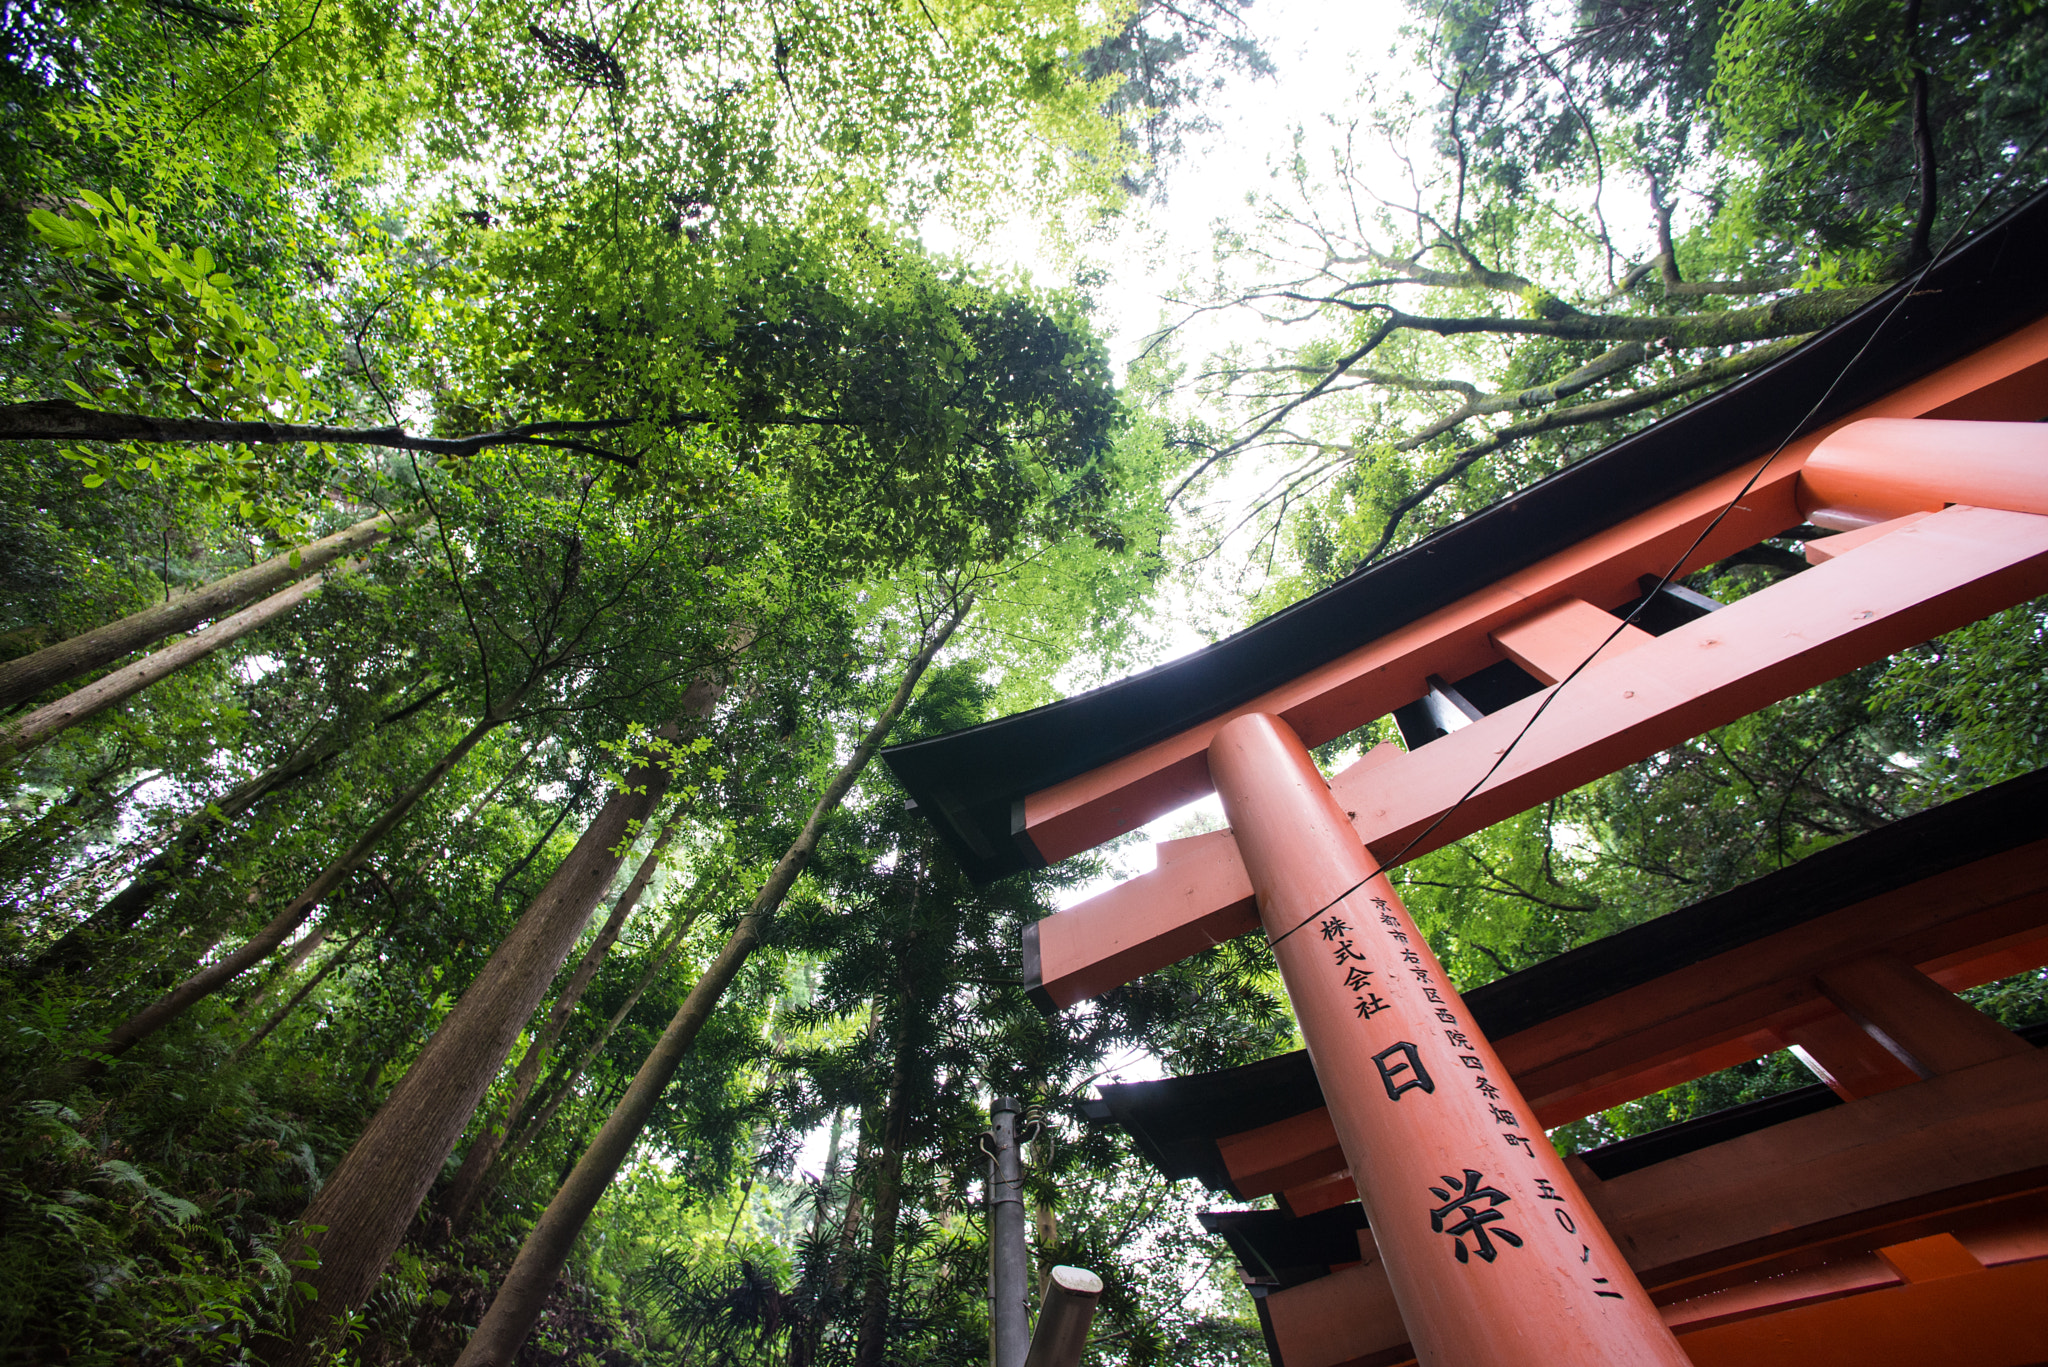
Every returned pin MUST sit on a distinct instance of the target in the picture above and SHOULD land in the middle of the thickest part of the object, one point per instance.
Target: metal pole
(1008, 1271)
(1494, 1255)
(1063, 1318)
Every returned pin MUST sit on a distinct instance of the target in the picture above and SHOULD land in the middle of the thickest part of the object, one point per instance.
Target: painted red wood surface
(1493, 1253)
(2004, 382)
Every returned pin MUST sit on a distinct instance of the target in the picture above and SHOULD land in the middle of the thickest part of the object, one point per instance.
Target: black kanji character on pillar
(1462, 1199)
(1369, 1006)
(1332, 927)
(1410, 1063)
(1356, 977)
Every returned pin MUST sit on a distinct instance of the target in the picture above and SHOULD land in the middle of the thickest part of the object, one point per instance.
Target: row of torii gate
(1502, 645)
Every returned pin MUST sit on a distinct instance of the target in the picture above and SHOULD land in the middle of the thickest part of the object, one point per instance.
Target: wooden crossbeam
(1940, 572)
(2002, 382)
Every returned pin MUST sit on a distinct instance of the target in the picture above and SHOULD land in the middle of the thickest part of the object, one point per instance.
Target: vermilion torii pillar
(1491, 1251)
(1494, 1256)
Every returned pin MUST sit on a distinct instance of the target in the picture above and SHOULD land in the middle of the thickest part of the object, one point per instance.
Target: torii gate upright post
(1493, 1254)
(1491, 1251)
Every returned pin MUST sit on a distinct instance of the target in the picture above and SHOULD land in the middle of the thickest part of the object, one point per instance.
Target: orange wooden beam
(1755, 998)
(1949, 569)
(1376, 678)
(1997, 1318)
(1923, 1025)
(1883, 468)
(1757, 1194)
(1199, 896)
(2003, 382)
(1325, 1193)
(1551, 643)
(1945, 570)
(1283, 1154)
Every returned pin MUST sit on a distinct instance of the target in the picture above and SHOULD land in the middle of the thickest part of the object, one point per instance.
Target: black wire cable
(1907, 291)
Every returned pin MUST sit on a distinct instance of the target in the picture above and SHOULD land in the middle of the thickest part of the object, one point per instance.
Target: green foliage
(775, 434)
(147, 1213)
(1977, 696)
(144, 327)
(156, 331)
(1819, 99)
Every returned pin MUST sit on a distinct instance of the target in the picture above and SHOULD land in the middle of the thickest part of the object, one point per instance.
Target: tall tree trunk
(1920, 242)
(1044, 1216)
(849, 1224)
(525, 1289)
(366, 1206)
(294, 959)
(125, 682)
(463, 1194)
(830, 1176)
(278, 1016)
(873, 1337)
(258, 947)
(540, 842)
(80, 946)
(566, 1075)
(87, 803)
(304, 947)
(23, 679)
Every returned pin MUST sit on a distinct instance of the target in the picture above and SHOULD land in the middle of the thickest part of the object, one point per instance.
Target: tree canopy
(481, 484)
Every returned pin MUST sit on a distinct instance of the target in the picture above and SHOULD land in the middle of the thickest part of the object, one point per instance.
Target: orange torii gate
(1517, 679)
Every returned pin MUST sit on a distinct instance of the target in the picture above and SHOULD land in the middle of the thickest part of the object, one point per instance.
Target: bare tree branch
(1577, 415)
(63, 420)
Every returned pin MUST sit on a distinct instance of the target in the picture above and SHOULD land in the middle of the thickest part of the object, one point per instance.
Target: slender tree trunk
(463, 1194)
(278, 1016)
(23, 679)
(125, 682)
(302, 949)
(849, 1225)
(566, 1076)
(371, 1199)
(519, 767)
(86, 803)
(1920, 244)
(540, 842)
(830, 1176)
(1045, 1217)
(80, 946)
(873, 1338)
(525, 1289)
(258, 947)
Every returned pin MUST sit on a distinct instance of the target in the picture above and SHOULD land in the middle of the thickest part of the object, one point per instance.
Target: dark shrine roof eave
(969, 782)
